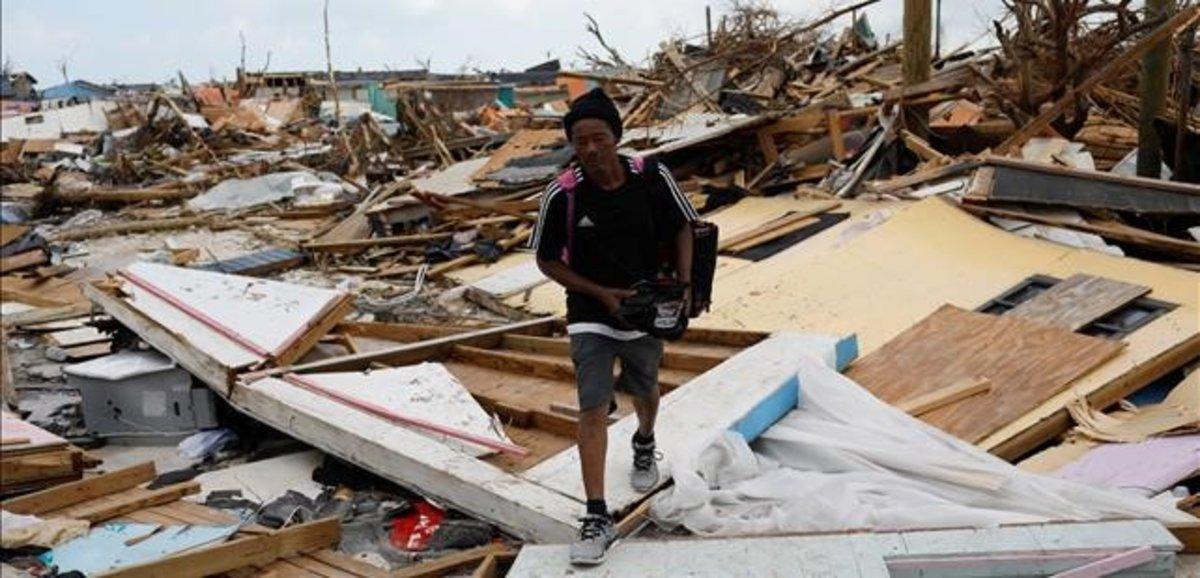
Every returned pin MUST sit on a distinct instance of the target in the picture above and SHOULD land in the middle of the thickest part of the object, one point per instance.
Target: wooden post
(1155, 69)
(915, 64)
(708, 25)
(1184, 170)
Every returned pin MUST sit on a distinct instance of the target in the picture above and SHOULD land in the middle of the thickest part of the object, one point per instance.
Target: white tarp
(846, 460)
(307, 187)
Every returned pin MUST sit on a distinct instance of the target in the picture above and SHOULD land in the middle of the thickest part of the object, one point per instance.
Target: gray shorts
(594, 354)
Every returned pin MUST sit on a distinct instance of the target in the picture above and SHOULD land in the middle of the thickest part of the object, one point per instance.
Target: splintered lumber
(1107, 71)
(944, 396)
(69, 494)
(357, 244)
(249, 551)
(1026, 362)
(1078, 300)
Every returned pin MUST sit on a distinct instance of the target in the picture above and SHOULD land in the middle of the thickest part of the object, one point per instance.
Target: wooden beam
(72, 493)
(1160, 244)
(130, 227)
(944, 396)
(1108, 70)
(22, 260)
(1156, 68)
(357, 244)
(443, 565)
(108, 509)
(916, 58)
(258, 550)
(410, 353)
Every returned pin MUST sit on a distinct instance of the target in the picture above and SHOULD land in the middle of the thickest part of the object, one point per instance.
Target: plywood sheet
(13, 427)
(1078, 300)
(1025, 361)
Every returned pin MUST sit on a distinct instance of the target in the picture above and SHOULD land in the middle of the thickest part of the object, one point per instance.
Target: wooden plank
(1026, 362)
(676, 355)
(410, 353)
(130, 501)
(43, 315)
(354, 245)
(944, 396)
(257, 550)
(1078, 300)
(73, 493)
(22, 260)
(78, 234)
(445, 564)
(548, 367)
(38, 466)
(781, 222)
(348, 564)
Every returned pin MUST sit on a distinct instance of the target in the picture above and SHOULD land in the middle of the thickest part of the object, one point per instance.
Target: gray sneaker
(595, 537)
(644, 475)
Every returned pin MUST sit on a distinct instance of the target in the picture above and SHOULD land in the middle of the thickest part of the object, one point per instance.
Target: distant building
(74, 92)
(352, 85)
(18, 86)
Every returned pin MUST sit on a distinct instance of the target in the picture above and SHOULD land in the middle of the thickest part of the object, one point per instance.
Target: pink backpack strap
(568, 180)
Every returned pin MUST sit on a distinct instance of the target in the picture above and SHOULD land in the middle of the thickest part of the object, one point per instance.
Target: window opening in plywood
(1116, 325)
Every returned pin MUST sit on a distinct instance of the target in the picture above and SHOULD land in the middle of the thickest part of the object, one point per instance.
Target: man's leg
(593, 448)
(593, 356)
(639, 375)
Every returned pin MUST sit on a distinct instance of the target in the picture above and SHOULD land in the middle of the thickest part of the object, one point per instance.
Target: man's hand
(611, 297)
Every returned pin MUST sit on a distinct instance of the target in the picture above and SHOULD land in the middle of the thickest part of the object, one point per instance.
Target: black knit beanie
(593, 104)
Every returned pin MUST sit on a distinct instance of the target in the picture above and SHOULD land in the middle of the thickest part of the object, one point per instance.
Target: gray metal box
(140, 395)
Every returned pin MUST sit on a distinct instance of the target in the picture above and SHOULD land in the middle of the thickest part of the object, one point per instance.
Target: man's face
(593, 142)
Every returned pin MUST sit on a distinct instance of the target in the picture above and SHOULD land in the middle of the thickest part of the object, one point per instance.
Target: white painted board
(267, 313)
(425, 391)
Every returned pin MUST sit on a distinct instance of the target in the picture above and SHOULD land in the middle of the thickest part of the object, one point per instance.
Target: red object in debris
(411, 531)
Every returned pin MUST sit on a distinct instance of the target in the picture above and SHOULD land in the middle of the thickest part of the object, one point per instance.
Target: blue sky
(145, 40)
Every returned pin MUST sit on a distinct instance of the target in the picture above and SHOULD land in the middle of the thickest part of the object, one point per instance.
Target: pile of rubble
(1019, 281)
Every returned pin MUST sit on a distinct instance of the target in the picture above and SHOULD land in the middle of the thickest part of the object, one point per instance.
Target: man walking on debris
(605, 225)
